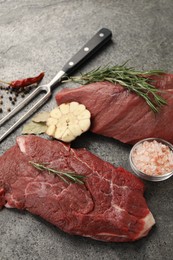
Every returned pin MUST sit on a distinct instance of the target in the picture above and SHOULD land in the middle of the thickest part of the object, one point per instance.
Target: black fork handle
(93, 45)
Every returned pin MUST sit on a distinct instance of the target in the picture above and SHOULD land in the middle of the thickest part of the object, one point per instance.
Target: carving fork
(96, 42)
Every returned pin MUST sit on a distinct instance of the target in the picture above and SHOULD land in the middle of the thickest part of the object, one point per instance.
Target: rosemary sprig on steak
(71, 176)
(128, 77)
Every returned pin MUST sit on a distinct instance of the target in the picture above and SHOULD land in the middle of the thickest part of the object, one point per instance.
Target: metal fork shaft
(20, 106)
(39, 103)
(26, 115)
(46, 88)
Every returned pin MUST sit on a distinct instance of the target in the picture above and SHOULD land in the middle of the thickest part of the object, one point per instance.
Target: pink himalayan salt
(153, 158)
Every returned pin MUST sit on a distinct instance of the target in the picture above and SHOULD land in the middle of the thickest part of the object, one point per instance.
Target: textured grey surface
(42, 35)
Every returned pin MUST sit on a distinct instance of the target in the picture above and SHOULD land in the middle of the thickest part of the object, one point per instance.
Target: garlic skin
(68, 121)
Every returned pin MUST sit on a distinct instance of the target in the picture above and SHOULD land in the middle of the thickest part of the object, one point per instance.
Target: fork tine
(21, 105)
(26, 115)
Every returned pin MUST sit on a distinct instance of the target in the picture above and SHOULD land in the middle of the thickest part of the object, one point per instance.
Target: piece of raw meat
(110, 205)
(118, 113)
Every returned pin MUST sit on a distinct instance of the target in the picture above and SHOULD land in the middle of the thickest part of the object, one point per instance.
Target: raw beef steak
(123, 115)
(110, 205)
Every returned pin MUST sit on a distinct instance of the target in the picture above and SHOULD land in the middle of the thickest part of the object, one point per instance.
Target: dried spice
(34, 128)
(18, 88)
(21, 83)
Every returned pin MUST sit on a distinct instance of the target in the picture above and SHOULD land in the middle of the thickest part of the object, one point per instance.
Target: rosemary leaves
(65, 176)
(128, 77)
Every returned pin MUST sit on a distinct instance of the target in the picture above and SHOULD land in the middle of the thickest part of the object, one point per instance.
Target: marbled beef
(110, 205)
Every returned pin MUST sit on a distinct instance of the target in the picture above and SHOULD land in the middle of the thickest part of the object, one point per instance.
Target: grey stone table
(41, 35)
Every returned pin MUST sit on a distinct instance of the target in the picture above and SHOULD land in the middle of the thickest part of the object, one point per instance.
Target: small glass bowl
(144, 175)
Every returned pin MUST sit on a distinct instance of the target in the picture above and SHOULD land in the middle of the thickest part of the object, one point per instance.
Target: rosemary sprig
(134, 80)
(71, 176)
